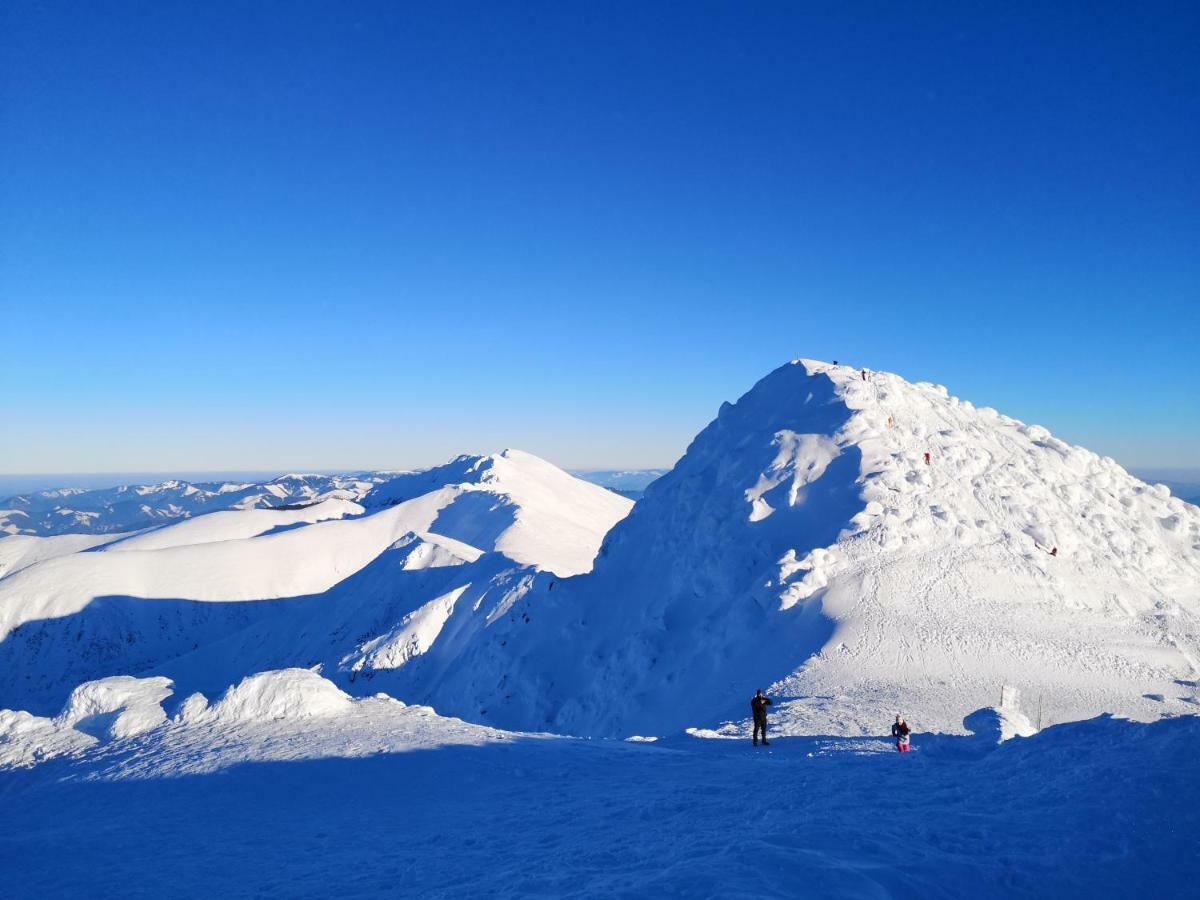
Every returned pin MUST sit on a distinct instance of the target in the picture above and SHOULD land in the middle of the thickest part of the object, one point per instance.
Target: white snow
(379, 798)
(234, 525)
(274, 715)
(283, 694)
(117, 707)
(995, 596)
(79, 616)
(19, 551)
(129, 508)
(803, 544)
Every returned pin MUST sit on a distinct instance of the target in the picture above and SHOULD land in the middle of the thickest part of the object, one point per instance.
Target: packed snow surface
(373, 797)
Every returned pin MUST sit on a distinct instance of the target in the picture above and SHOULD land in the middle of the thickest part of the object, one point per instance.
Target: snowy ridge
(195, 589)
(803, 543)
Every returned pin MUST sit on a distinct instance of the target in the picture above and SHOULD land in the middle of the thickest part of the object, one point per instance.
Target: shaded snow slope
(802, 541)
(375, 797)
(197, 588)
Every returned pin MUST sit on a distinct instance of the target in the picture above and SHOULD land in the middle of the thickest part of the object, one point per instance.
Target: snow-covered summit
(551, 513)
(804, 541)
(136, 602)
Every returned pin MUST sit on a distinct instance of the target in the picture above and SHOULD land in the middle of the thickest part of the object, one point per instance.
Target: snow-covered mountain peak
(858, 540)
(827, 458)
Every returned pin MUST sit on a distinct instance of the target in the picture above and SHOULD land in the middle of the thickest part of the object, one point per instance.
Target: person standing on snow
(901, 732)
(758, 706)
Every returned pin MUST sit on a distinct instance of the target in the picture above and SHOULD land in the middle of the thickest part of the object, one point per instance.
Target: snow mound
(117, 707)
(997, 724)
(282, 694)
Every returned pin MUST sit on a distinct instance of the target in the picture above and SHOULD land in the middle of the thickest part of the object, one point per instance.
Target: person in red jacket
(758, 706)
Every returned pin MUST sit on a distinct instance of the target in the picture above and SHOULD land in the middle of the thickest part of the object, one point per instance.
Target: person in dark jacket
(901, 731)
(758, 706)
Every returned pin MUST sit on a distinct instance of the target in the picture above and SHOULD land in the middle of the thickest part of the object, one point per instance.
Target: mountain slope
(803, 541)
(193, 587)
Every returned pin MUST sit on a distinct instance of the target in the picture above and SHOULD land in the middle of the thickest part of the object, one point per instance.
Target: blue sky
(298, 236)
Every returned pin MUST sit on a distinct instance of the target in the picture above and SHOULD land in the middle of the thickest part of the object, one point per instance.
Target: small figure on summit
(901, 732)
(758, 706)
(927, 458)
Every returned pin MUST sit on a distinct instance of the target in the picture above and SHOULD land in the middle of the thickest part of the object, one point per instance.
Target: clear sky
(295, 236)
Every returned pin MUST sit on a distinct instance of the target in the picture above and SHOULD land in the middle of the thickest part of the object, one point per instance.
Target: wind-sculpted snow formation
(270, 716)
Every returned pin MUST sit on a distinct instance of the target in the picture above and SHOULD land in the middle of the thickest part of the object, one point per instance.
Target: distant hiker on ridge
(901, 732)
(758, 706)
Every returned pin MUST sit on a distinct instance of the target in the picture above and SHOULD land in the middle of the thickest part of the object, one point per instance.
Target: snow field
(382, 798)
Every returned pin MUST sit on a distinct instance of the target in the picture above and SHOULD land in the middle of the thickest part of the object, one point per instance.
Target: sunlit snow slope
(342, 578)
(803, 544)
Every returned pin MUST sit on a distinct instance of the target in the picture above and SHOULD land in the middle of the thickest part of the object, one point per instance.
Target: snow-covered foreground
(286, 788)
